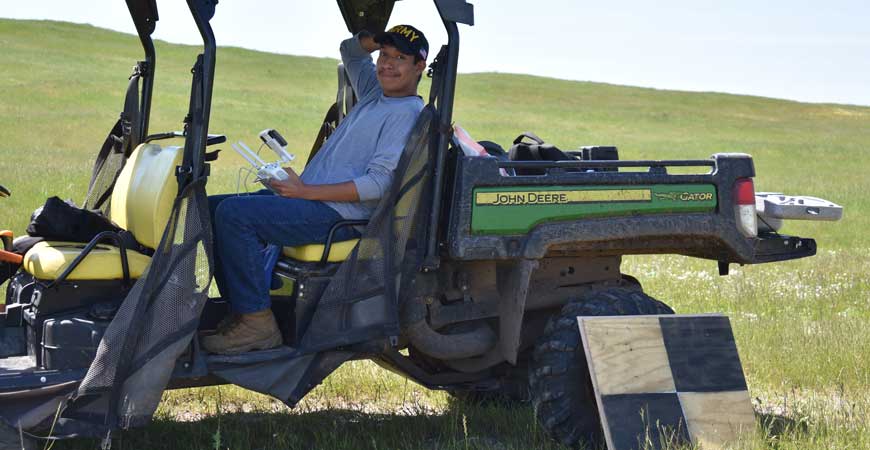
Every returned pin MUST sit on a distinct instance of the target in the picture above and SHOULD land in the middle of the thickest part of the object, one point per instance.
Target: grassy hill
(800, 326)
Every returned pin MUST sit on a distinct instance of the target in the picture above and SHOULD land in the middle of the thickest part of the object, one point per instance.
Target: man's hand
(291, 188)
(367, 41)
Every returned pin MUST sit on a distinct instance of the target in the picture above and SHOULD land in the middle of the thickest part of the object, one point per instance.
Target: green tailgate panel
(517, 209)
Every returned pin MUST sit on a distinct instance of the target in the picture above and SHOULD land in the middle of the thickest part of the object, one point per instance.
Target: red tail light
(744, 191)
(744, 207)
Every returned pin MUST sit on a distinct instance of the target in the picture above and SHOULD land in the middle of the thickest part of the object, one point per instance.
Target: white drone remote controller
(273, 139)
(265, 171)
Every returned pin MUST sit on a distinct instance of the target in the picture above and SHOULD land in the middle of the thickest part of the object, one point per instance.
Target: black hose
(477, 341)
(477, 364)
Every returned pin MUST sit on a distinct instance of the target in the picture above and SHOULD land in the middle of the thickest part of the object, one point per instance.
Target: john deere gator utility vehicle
(467, 278)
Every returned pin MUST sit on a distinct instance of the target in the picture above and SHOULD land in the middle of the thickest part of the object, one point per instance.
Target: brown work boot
(221, 326)
(253, 331)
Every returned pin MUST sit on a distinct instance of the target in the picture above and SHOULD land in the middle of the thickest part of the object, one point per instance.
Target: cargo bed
(598, 208)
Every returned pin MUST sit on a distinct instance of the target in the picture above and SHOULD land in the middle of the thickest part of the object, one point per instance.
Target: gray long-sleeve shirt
(366, 146)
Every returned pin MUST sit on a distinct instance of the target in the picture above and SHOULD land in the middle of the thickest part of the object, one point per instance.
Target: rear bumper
(775, 247)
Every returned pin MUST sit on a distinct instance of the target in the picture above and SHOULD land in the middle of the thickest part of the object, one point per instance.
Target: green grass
(801, 326)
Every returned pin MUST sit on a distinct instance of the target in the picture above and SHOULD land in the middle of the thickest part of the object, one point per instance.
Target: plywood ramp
(630, 356)
(663, 380)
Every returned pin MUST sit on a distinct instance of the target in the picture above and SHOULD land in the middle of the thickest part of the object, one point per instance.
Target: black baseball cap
(406, 39)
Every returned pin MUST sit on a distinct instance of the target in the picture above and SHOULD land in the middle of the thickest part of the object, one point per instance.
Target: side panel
(516, 210)
(710, 233)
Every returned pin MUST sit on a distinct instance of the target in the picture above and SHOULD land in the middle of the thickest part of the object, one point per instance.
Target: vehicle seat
(338, 252)
(47, 260)
(141, 203)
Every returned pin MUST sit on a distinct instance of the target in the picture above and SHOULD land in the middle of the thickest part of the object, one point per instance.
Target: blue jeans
(244, 225)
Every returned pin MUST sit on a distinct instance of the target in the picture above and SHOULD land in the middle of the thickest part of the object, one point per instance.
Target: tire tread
(559, 382)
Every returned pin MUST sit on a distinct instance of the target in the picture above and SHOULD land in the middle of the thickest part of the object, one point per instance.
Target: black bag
(58, 220)
(494, 150)
(19, 246)
(529, 147)
(7, 270)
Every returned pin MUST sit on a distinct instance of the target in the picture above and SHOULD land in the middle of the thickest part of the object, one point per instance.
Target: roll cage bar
(372, 15)
(144, 14)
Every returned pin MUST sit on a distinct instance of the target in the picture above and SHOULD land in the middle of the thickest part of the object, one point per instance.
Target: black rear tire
(561, 389)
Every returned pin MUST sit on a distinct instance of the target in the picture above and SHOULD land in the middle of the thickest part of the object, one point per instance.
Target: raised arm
(356, 56)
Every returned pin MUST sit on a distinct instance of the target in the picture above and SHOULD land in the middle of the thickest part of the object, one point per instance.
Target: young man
(345, 180)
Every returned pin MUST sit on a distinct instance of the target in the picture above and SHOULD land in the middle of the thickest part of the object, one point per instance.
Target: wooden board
(662, 380)
(629, 357)
(644, 420)
(717, 417)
